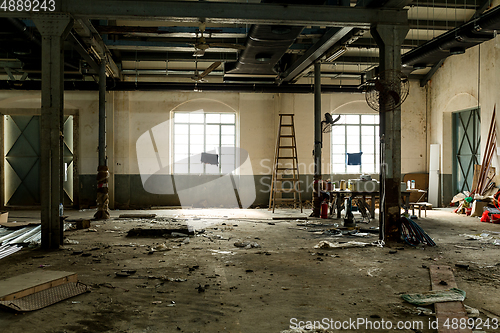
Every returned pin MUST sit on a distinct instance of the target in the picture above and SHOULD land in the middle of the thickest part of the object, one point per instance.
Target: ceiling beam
(485, 4)
(315, 52)
(225, 12)
(93, 41)
(132, 45)
(176, 56)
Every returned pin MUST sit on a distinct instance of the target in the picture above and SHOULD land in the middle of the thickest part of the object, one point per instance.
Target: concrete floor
(224, 288)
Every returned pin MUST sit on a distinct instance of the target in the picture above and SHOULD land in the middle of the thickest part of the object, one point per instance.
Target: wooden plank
(14, 225)
(29, 283)
(446, 310)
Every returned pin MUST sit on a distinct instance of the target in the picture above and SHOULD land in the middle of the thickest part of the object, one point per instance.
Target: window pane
(211, 169)
(351, 119)
(368, 119)
(227, 168)
(352, 130)
(196, 167)
(225, 159)
(227, 139)
(353, 140)
(213, 130)
(196, 149)
(338, 159)
(338, 149)
(353, 169)
(180, 168)
(197, 118)
(183, 158)
(212, 140)
(181, 129)
(368, 168)
(353, 148)
(338, 131)
(213, 118)
(227, 129)
(338, 168)
(227, 118)
(367, 130)
(197, 129)
(181, 139)
(181, 117)
(181, 149)
(197, 139)
(368, 149)
(367, 140)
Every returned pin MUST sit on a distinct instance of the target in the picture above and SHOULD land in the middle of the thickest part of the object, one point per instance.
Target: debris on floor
(484, 237)
(471, 312)
(137, 216)
(435, 296)
(162, 232)
(329, 245)
(247, 245)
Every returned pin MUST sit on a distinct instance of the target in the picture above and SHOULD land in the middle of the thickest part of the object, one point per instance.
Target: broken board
(45, 297)
(30, 283)
(137, 216)
(447, 311)
(15, 225)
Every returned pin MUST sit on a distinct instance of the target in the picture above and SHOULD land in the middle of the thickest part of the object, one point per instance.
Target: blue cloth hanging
(354, 158)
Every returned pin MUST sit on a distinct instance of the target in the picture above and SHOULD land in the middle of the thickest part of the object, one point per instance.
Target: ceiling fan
(201, 77)
(201, 44)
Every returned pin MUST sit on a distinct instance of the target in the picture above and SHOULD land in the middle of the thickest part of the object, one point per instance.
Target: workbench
(337, 198)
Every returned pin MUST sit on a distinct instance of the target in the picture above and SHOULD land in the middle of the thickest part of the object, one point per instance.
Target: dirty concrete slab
(210, 285)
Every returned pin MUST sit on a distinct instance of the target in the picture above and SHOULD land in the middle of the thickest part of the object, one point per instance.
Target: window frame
(220, 125)
(376, 145)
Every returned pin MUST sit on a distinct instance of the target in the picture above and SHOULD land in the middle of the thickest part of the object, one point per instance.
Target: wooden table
(340, 195)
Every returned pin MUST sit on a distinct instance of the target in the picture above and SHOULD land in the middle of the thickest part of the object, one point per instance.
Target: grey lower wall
(207, 190)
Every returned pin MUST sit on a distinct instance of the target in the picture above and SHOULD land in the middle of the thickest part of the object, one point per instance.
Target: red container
(324, 210)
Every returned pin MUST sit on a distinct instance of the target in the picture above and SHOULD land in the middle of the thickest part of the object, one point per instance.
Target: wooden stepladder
(285, 178)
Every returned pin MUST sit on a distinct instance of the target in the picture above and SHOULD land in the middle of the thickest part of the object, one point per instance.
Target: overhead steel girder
(93, 40)
(315, 52)
(226, 12)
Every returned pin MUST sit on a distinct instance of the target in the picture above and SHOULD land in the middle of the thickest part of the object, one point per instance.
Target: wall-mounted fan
(201, 77)
(201, 44)
(326, 125)
(389, 88)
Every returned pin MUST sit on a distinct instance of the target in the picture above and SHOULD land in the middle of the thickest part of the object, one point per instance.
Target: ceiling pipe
(463, 37)
(188, 87)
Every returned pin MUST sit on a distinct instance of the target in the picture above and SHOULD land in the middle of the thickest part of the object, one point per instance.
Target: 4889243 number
(28, 5)
(471, 323)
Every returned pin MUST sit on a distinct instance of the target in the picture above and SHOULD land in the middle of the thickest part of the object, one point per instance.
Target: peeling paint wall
(463, 82)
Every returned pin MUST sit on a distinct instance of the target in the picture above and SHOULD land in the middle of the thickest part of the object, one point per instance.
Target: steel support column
(317, 140)
(54, 29)
(102, 113)
(389, 39)
(102, 169)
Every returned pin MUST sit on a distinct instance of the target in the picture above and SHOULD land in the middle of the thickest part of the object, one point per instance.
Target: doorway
(22, 160)
(466, 147)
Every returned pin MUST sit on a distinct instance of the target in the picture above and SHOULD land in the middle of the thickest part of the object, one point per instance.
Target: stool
(420, 205)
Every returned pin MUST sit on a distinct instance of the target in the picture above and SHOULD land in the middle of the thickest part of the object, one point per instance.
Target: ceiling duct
(455, 41)
(266, 44)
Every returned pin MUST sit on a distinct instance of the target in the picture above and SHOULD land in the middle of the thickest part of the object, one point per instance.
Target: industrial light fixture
(336, 54)
(457, 50)
(419, 66)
